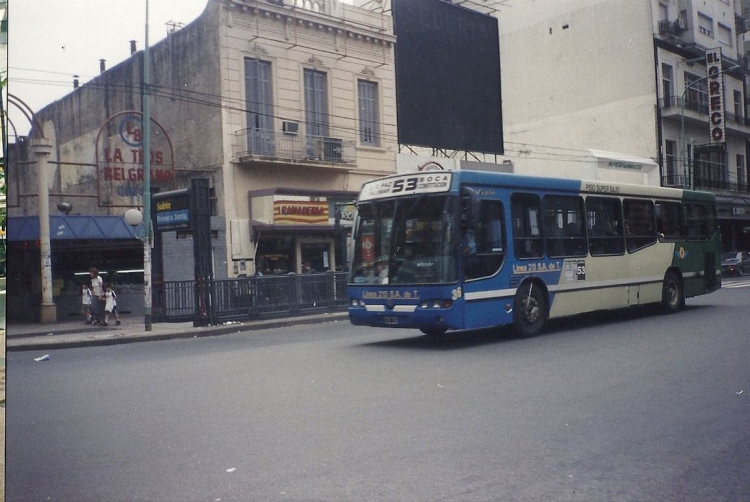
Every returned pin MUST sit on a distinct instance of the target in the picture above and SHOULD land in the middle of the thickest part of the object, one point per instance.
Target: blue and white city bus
(456, 250)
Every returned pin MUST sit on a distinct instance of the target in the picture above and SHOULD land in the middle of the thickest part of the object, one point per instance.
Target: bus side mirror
(471, 203)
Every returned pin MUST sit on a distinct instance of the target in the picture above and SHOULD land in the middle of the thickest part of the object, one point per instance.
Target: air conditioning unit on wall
(290, 127)
(329, 149)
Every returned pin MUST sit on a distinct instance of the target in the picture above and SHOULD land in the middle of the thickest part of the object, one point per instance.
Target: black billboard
(447, 77)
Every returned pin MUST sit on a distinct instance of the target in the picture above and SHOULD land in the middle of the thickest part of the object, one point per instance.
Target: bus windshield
(410, 240)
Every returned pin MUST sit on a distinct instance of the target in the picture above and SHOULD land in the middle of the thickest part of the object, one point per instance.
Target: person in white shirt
(86, 302)
(110, 305)
(97, 301)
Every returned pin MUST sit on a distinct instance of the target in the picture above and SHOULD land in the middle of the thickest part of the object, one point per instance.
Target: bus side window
(490, 227)
(640, 230)
(526, 212)
(605, 226)
(489, 253)
(564, 231)
(696, 221)
(669, 220)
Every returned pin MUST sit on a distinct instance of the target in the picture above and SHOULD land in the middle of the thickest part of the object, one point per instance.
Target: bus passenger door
(483, 249)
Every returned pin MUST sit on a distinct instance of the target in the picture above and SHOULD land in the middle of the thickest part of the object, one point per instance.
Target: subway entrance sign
(172, 210)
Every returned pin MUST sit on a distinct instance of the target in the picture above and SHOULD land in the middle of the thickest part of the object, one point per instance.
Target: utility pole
(146, 183)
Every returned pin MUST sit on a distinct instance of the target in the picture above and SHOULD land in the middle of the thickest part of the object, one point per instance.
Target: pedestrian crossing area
(741, 283)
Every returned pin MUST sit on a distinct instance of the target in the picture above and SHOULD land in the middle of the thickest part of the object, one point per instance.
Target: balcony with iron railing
(674, 181)
(705, 177)
(290, 146)
(713, 184)
(673, 28)
(696, 112)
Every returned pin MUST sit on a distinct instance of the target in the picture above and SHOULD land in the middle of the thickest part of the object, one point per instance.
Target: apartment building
(619, 90)
(285, 106)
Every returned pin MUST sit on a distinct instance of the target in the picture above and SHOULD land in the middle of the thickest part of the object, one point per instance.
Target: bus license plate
(391, 320)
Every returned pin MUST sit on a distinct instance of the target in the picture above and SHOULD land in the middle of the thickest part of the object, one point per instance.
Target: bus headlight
(436, 304)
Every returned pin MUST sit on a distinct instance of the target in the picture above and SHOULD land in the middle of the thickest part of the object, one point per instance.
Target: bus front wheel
(672, 297)
(529, 310)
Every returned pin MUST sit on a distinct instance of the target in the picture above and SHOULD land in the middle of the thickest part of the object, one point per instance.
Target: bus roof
(536, 183)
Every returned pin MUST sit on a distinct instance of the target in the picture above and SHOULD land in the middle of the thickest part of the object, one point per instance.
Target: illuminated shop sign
(295, 212)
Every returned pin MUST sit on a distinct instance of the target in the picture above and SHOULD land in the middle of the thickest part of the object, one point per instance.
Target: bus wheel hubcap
(531, 310)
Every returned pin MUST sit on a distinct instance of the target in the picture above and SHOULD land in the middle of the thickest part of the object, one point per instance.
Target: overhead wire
(512, 149)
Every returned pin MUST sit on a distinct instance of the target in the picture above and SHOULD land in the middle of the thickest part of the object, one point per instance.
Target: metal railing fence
(250, 297)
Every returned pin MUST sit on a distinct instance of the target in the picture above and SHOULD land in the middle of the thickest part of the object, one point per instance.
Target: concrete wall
(577, 75)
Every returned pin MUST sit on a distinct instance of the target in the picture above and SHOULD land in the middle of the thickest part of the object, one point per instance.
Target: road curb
(27, 344)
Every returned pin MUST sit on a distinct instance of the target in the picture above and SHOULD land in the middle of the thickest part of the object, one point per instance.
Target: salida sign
(119, 160)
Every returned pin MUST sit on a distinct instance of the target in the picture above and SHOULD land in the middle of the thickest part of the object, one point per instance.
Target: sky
(49, 41)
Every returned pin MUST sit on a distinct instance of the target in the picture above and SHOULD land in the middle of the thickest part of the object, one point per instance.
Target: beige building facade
(296, 97)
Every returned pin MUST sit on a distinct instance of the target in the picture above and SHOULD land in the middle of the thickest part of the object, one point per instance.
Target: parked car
(735, 263)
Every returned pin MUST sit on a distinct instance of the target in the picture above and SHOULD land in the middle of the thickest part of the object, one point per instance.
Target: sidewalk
(70, 334)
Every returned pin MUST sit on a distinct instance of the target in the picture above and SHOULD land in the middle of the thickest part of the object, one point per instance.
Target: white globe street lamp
(134, 217)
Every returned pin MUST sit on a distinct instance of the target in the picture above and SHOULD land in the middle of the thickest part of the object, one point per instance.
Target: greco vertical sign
(716, 119)
(119, 160)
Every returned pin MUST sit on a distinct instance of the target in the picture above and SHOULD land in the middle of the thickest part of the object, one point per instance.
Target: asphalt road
(629, 406)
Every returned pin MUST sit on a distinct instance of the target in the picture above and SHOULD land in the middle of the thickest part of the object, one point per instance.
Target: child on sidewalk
(110, 305)
(86, 302)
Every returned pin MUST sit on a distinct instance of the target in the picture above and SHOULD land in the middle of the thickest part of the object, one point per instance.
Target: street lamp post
(685, 165)
(146, 183)
(134, 217)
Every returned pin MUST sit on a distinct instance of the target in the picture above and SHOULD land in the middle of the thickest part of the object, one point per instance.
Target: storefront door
(318, 254)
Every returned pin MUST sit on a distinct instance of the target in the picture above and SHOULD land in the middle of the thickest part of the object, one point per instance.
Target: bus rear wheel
(529, 310)
(673, 299)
